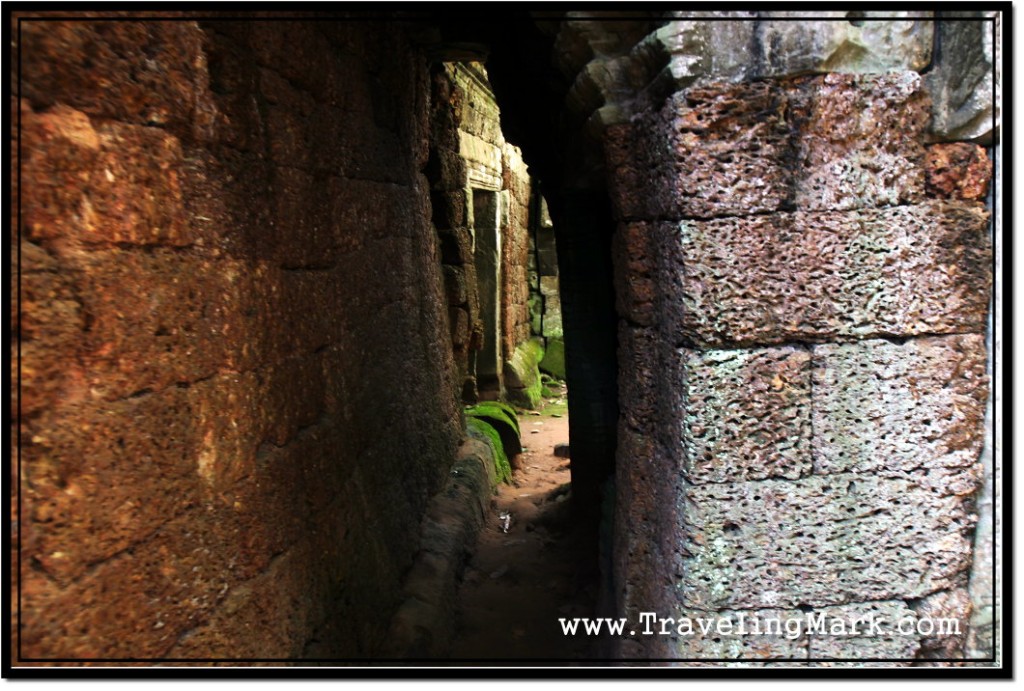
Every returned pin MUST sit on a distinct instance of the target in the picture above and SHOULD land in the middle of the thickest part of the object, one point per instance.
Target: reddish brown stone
(859, 142)
(115, 184)
(637, 271)
(830, 142)
(142, 73)
(958, 171)
(198, 320)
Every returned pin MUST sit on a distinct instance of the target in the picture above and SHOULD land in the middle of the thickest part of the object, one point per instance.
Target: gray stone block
(903, 271)
(881, 406)
(746, 415)
(825, 540)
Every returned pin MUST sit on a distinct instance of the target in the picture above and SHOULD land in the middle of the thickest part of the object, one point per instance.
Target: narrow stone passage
(518, 583)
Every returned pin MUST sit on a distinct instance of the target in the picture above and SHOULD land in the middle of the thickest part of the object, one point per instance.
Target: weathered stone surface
(757, 634)
(640, 354)
(203, 456)
(707, 46)
(51, 322)
(898, 641)
(881, 407)
(647, 516)
(522, 376)
(908, 270)
(455, 285)
(424, 624)
(845, 632)
(727, 145)
(831, 142)
(115, 184)
(944, 639)
(945, 267)
(958, 171)
(746, 414)
(859, 141)
(142, 73)
(636, 279)
(825, 540)
(963, 81)
(789, 44)
(456, 246)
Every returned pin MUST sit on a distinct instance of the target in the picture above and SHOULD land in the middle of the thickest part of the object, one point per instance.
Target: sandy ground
(518, 583)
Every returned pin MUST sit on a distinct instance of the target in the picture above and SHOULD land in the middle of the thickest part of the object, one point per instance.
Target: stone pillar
(802, 369)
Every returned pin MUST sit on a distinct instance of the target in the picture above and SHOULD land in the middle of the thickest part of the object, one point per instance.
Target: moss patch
(554, 358)
(503, 418)
(482, 430)
(499, 409)
(522, 376)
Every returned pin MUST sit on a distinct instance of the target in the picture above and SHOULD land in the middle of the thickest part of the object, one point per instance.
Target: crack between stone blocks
(676, 219)
(831, 339)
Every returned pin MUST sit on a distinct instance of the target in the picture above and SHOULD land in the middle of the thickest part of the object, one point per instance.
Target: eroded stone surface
(949, 612)
(892, 638)
(902, 271)
(832, 142)
(825, 540)
(958, 171)
(200, 313)
(881, 406)
(860, 141)
(756, 634)
(746, 414)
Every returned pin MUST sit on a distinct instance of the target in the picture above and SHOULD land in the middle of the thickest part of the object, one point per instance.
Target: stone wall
(237, 388)
(803, 296)
(471, 157)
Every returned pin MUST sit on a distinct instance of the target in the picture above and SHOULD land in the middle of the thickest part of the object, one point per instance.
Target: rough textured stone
(746, 414)
(902, 271)
(842, 632)
(424, 624)
(963, 80)
(646, 541)
(831, 142)
(740, 635)
(826, 540)
(860, 141)
(958, 171)
(204, 459)
(898, 642)
(636, 278)
(115, 184)
(881, 407)
(153, 74)
(726, 157)
(944, 640)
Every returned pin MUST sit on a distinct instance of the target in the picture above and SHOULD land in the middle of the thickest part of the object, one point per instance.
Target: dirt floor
(518, 583)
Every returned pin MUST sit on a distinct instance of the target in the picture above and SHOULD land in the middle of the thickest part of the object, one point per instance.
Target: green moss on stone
(482, 430)
(522, 374)
(554, 358)
(502, 418)
(500, 406)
